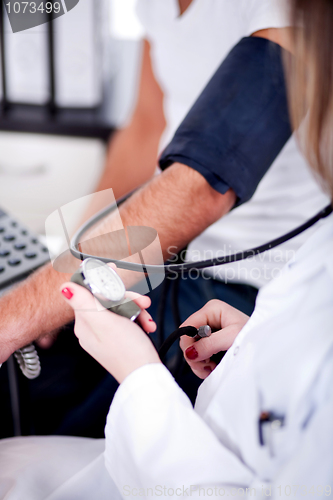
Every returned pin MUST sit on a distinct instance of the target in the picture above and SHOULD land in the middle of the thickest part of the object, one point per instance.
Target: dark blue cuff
(240, 122)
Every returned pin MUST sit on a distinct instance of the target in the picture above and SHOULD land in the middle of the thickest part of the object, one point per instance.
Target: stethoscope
(187, 266)
(179, 269)
(27, 357)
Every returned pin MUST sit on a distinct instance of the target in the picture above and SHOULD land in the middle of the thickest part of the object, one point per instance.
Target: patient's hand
(220, 316)
(115, 342)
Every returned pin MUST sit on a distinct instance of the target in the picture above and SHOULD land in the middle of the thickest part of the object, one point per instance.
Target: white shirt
(282, 362)
(186, 51)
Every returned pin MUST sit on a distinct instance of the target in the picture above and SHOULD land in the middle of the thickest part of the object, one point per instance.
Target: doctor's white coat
(280, 366)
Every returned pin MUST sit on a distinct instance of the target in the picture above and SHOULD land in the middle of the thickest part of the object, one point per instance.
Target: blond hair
(310, 75)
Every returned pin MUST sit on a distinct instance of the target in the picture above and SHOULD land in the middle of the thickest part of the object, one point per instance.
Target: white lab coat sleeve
(155, 441)
(309, 472)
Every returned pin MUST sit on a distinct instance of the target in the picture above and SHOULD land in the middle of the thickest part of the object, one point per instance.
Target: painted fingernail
(151, 319)
(208, 369)
(67, 293)
(191, 353)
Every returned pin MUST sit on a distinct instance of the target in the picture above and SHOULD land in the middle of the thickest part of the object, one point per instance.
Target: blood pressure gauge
(105, 284)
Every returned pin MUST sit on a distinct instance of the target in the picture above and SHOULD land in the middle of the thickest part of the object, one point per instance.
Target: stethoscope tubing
(187, 266)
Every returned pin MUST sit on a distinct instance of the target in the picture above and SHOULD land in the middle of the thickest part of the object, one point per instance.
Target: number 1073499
(33, 7)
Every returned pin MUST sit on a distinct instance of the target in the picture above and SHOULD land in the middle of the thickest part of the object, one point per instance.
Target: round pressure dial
(103, 280)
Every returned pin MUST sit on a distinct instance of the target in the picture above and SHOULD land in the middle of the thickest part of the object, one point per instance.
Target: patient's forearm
(179, 204)
(31, 309)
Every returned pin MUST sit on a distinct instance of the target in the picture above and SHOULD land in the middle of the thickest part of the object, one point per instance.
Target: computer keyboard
(21, 251)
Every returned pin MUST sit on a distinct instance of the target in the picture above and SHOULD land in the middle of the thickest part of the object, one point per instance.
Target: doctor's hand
(117, 343)
(226, 320)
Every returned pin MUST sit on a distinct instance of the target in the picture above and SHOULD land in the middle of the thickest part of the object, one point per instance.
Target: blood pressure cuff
(239, 123)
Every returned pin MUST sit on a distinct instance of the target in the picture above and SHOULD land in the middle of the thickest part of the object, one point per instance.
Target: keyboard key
(2, 269)
(2, 229)
(30, 255)
(34, 241)
(4, 253)
(24, 232)
(14, 224)
(9, 237)
(20, 246)
(14, 262)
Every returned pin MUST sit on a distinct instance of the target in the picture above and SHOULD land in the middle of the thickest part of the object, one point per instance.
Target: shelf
(93, 123)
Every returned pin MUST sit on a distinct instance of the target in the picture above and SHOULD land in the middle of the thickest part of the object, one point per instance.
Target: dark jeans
(192, 295)
(73, 393)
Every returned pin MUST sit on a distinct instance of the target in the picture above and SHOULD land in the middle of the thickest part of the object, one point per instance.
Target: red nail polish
(67, 293)
(151, 320)
(191, 353)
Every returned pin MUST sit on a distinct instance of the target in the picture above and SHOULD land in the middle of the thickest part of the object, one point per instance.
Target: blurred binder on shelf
(78, 38)
(26, 63)
(77, 58)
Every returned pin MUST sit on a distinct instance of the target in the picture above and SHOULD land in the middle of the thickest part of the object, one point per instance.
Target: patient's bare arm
(179, 204)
